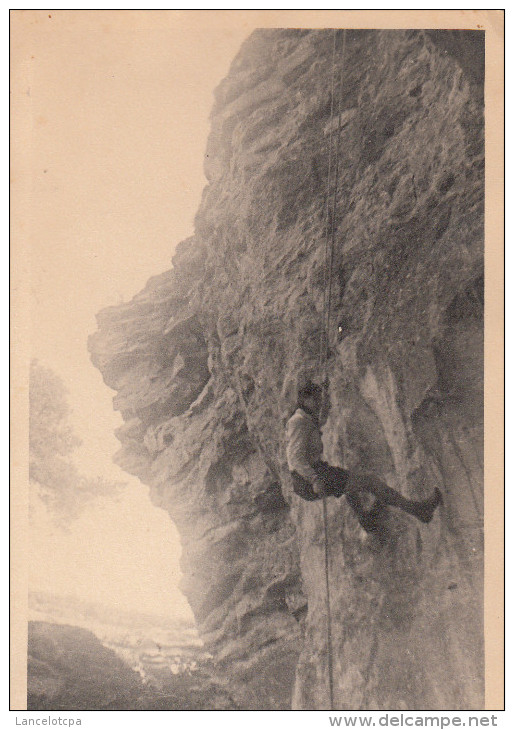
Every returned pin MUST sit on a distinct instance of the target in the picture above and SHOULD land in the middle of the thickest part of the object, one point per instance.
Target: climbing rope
(327, 197)
(330, 230)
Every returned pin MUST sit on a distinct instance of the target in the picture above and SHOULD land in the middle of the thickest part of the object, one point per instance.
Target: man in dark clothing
(314, 478)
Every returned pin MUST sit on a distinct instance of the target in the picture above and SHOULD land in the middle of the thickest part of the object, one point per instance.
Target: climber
(314, 478)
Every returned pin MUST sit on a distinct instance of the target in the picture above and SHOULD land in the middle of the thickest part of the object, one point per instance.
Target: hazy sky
(119, 106)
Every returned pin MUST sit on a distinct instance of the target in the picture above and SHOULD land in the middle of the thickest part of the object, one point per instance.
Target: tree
(53, 476)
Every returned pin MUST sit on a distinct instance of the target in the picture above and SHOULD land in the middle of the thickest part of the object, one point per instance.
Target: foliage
(54, 478)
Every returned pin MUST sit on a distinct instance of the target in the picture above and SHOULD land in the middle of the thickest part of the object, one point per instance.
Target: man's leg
(422, 510)
(334, 478)
(368, 516)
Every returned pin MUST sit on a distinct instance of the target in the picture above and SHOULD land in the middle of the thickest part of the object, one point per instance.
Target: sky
(119, 106)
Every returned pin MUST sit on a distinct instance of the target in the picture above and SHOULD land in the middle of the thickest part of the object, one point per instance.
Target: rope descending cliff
(327, 308)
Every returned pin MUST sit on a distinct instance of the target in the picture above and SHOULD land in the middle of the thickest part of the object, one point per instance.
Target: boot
(425, 510)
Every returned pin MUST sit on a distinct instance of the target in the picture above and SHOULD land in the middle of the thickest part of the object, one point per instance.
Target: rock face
(69, 669)
(205, 360)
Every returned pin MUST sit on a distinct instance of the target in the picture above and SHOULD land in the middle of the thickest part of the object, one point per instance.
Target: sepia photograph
(250, 265)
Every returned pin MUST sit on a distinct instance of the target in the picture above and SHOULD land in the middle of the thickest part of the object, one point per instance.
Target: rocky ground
(205, 360)
(70, 669)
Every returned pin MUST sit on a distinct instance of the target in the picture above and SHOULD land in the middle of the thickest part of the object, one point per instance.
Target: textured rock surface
(69, 669)
(205, 358)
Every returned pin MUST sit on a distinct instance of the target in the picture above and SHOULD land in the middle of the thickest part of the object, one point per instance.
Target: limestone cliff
(204, 361)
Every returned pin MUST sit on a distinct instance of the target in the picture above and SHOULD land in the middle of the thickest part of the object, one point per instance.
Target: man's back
(304, 447)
